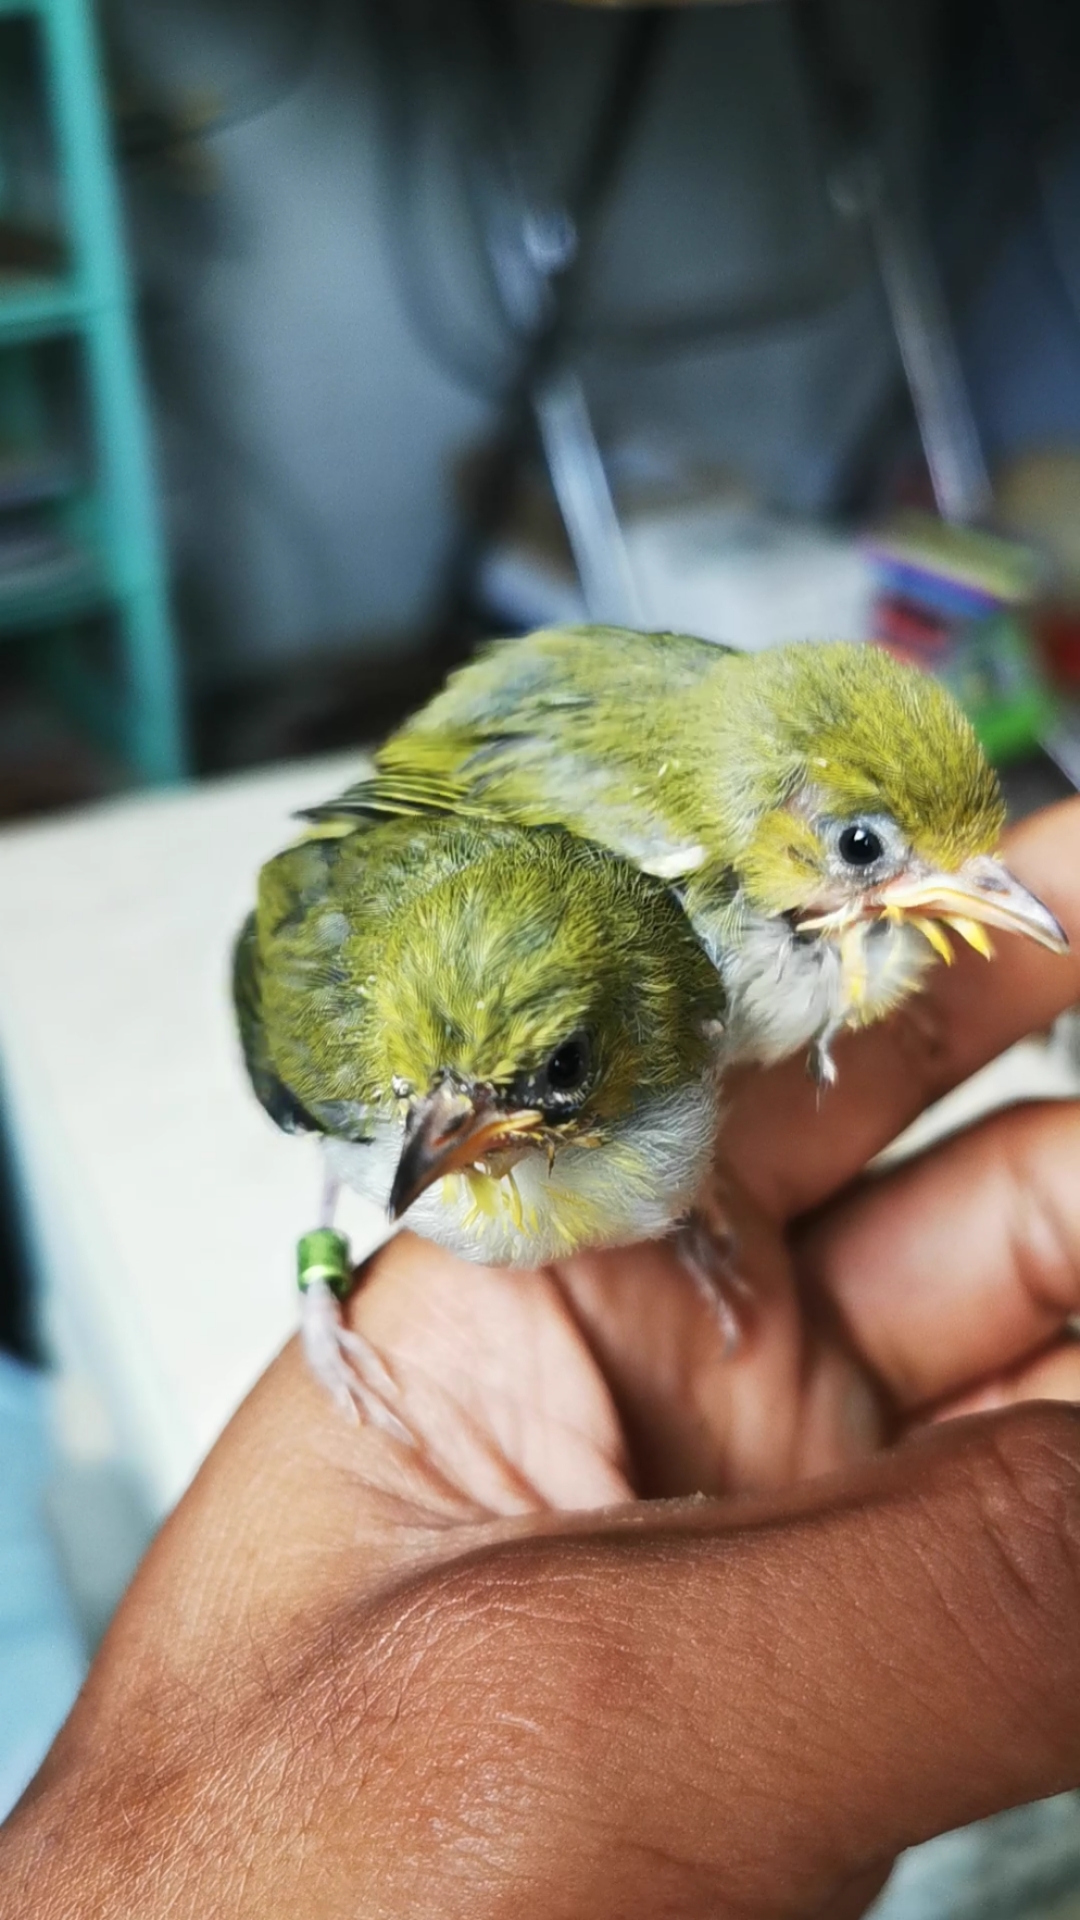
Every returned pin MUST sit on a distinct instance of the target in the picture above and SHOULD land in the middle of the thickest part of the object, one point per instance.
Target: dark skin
(527, 1667)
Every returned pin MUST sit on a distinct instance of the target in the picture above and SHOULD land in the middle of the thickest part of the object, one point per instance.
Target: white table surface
(163, 1205)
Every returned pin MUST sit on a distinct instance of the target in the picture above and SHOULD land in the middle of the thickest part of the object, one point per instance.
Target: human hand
(525, 1665)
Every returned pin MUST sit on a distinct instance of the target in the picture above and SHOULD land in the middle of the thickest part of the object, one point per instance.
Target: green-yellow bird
(822, 811)
(506, 1038)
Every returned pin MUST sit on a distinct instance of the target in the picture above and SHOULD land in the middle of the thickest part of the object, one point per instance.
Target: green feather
(425, 946)
(537, 731)
(280, 1104)
(700, 764)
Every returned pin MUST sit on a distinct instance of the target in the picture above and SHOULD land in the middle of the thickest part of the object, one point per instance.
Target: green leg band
(323, 1255)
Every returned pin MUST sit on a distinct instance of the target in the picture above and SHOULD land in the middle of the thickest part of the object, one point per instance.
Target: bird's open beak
(448, 1130)
(983, 893)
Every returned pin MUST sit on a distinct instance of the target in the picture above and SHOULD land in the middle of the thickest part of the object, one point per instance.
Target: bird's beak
(983, 893)
(448, 1130)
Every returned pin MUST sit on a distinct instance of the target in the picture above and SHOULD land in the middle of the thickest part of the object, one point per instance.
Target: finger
(792, 1148)
(698, 1416)
(606, 1380)
(888, 1656)
(961, 1263)
(297, 1503)
(1053, 1374)
(503, 1394)
(684, 1709)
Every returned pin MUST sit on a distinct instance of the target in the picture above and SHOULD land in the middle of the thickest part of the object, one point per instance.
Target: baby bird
(822, 812)
(505, 1038)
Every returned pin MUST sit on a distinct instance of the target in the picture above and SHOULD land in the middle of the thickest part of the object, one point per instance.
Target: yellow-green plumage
(864, 734)
(502, 978)
(673, 751)
(378, 965)
(729, 775)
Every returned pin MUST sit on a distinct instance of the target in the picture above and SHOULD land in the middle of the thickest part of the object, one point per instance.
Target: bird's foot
(348, 1366)
(710, 1257)
(820, 1064)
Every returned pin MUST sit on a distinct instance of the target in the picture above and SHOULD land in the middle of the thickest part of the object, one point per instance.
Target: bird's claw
(820, 1064)
(709, 1258)
(348, 1366)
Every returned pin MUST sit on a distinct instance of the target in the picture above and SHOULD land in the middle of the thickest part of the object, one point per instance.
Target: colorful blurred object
(1058, 629)
(958, 602)
(1038, 500)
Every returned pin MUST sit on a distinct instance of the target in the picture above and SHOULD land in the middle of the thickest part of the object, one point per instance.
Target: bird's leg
(348, 1366)
(330, 1194)
(709, 1255)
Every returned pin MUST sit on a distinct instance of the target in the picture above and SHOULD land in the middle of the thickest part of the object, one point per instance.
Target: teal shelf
(54, 569)
(108, 553)
(39, 309)
(64, 580)
(29, 604)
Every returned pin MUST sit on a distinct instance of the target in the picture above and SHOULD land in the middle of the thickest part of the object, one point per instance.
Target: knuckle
(1026, 1482)
(485, 1692)
(492, 1659)
(1045, 1240)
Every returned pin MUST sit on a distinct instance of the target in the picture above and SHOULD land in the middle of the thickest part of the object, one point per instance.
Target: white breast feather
(633, 1187)
(784, 991)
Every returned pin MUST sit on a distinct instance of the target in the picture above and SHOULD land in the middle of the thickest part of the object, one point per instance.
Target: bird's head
(536, 998)
(863, 794)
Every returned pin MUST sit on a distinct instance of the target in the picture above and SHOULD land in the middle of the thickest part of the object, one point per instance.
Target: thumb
(765, 1708)
(687, 1709)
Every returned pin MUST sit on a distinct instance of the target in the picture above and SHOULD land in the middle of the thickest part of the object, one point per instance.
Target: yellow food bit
(974, 933)
(853, 964)
(934, 932)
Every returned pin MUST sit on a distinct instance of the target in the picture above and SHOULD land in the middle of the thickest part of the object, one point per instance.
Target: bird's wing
(568, 727)
(282, 1106)
(410, 791)
(541, 682)
(298, 972)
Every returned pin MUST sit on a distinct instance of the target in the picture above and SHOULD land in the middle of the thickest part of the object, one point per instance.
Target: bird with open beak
(824, 813)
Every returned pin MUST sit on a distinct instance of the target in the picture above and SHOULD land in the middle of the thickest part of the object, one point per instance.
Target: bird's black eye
(860, 846)
(558, 1088)
(568, 1068)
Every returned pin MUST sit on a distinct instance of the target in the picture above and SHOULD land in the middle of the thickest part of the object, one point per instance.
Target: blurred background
(335, 335)
(457, 318)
